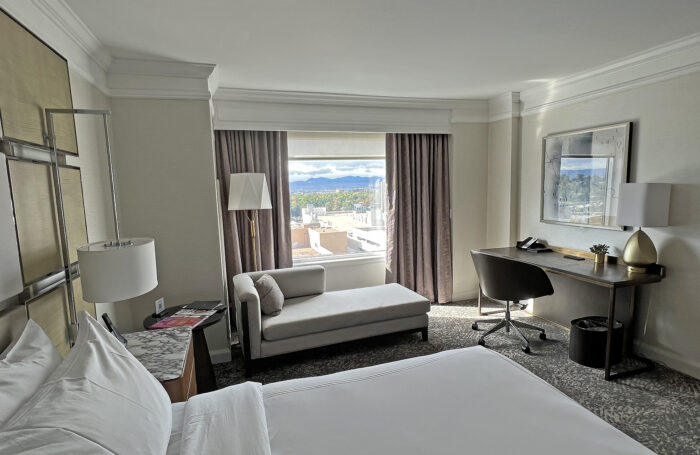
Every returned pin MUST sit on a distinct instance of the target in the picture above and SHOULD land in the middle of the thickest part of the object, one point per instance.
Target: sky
(302, 170)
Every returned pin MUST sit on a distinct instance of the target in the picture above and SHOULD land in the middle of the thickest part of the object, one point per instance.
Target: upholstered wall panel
(74, 211)
(37, 226)
(80, 304)
(32, 77)
(50, 311)
(10, 270)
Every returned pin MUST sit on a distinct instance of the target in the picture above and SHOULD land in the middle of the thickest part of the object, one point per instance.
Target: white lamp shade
(111, 274)
(644, 204)
(248, 191)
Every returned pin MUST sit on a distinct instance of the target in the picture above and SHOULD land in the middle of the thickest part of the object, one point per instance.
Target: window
(337, 194)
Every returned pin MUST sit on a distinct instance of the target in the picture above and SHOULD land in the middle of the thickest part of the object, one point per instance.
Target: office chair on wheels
(510, 281)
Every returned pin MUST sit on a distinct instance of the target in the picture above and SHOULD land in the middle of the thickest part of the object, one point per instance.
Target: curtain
(419, 240)
(264, 152)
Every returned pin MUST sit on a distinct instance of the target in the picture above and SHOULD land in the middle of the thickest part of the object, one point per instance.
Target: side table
(206, 380)
(169, 356)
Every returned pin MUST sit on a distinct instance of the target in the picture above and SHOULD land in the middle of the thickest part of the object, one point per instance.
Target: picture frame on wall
(581, 175)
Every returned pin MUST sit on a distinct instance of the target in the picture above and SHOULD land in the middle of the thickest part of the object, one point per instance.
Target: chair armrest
(247, 302)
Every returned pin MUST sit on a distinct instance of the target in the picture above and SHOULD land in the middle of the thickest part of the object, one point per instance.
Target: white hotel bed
(462, 401)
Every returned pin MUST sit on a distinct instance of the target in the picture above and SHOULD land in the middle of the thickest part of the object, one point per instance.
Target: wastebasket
(588, 338)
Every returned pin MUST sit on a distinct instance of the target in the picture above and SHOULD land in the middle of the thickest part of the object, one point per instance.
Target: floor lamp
(248, 191)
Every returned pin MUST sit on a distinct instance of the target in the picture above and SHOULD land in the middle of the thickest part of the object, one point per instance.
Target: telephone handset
(527, 243)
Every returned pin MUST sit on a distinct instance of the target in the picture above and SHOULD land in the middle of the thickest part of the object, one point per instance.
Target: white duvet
(463, 401)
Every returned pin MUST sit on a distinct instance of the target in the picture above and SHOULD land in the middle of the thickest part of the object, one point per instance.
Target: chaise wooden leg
(424, 333)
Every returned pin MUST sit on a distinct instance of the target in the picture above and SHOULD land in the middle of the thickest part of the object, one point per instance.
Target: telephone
(113, 328)
(532, 245)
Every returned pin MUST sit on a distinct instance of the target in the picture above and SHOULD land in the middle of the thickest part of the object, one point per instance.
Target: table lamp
(642, 205)
(248, 191)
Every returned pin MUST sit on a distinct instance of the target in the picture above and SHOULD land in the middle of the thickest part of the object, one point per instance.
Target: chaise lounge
(312, 317)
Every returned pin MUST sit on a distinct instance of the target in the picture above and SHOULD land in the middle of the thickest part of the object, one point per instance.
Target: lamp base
(639, 252)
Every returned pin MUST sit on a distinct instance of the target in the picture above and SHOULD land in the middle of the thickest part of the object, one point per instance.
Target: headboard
(34, 77)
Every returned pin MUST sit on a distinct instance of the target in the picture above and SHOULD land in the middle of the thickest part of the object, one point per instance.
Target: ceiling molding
(668, 61)
(506, 105)
(132, 78)
(56, 24)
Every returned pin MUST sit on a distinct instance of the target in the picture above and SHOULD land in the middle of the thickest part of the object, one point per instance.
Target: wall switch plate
(160, 305)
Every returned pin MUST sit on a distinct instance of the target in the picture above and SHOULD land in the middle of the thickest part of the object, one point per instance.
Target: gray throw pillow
(271, 297)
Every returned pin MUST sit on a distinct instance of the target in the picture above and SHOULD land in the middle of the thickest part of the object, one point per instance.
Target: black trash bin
(588, 338)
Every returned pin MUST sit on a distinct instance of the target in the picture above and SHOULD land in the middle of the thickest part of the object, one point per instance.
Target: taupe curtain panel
(264, 152)
(419, 237)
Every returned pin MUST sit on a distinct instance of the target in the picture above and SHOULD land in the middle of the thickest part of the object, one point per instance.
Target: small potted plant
(600, 250)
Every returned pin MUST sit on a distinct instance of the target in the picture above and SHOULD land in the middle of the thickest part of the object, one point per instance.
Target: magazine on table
(183, 318)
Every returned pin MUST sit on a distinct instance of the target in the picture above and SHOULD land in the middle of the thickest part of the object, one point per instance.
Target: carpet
(660, 409)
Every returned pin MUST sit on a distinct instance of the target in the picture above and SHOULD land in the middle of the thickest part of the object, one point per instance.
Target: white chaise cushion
(339, 309)
(99, 400)
(24, 367)
(271, 297)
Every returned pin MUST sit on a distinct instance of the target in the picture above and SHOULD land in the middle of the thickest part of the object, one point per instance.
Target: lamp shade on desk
(113, 273)
(642, 205)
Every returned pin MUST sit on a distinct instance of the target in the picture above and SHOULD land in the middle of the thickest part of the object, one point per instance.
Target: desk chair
(510, 281)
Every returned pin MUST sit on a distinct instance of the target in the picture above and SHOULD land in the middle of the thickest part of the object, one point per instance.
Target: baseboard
(669, 358)
(220, 356)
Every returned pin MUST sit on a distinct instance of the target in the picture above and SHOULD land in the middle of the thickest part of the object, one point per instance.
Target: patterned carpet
(660, 409)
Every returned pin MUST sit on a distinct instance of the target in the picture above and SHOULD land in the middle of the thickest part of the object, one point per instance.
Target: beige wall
(165, 173)
(665, 148)
(469, 183)
(502, 197)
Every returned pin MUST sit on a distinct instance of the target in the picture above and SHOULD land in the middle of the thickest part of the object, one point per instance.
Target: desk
(608, 275)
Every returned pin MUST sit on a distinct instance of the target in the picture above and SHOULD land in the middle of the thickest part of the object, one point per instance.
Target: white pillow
(24, 367)
(99, 400)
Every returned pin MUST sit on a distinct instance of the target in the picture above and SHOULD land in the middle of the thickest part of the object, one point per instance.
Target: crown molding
(55, 23)
(272, 109)
(668, 61)
(506, 105)
(133, 78)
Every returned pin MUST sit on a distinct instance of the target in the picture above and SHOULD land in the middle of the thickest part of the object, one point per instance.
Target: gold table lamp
(642, 205)
(248, 191)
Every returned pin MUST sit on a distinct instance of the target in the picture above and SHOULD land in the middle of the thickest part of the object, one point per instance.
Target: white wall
(165, 174)
(665, 148)
(501, 216)
(469, 186)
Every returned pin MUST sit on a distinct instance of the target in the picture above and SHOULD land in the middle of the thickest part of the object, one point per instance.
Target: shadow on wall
(669, 308)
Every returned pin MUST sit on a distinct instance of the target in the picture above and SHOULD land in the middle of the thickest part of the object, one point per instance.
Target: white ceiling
(411, 48)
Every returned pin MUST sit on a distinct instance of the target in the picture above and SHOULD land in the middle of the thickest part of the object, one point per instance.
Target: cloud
(306, 169)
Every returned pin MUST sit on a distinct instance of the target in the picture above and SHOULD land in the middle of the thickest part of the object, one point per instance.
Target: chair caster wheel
(543, 336)
(481, 342)
(526, 349)
(475, 326)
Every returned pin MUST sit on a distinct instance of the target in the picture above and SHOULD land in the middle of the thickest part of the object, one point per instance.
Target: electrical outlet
(160, 305)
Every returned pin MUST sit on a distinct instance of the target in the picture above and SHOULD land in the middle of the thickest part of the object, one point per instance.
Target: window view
(338, 203)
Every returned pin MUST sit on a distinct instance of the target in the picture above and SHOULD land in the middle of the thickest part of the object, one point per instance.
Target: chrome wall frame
(67, 269)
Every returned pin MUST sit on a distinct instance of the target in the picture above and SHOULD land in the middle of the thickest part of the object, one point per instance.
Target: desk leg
(204, 370)
(611, 324)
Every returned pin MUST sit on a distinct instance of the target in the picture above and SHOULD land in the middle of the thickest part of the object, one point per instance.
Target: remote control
(575, 258)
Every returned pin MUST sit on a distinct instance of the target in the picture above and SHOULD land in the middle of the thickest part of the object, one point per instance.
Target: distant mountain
(322, 184)
(571, 173)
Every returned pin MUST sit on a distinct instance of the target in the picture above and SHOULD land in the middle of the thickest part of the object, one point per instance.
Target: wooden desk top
(607, 274)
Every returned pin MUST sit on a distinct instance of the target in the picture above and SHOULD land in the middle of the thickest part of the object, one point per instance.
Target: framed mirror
(581, 175)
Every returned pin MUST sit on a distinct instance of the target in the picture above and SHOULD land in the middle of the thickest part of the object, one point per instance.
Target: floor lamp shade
(248, 191)
(113, 273)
